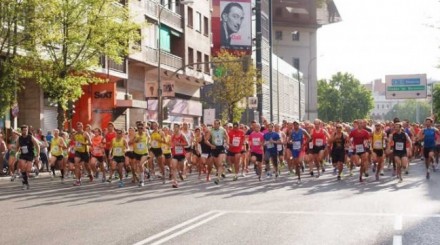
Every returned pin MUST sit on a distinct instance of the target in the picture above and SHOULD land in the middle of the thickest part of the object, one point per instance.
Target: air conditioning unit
(128, 97)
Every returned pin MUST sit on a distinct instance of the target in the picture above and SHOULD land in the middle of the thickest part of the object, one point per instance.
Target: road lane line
(398, 222)
(165, 232)
(397, 240)
(191, 227)
(331, 213)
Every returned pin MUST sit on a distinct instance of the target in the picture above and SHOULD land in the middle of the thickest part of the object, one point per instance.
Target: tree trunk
(61, 118)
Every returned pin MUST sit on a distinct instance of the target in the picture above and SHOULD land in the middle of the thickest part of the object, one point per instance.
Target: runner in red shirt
(178, 144)
(236, 141)
(360, 139)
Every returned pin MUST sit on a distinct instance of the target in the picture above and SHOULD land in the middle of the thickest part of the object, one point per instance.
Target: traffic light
(246, 62)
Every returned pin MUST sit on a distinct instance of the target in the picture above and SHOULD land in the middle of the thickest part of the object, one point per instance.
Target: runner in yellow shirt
(117, 156)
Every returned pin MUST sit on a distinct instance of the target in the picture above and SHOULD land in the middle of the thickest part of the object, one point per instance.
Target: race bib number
(311, 145)
(319, 142)
(279, 147)
(179, 150)
(359, 148)
(270, 145)
(118, 151)
(78, 144)
(256, 141)
(296, 145)
(96, 151)
(400, 146)
(350, 150)
(154, 144)
(140, 146)
(218, 142)
(55, 149)
(236, 141)
(378, 144)
(24, 149)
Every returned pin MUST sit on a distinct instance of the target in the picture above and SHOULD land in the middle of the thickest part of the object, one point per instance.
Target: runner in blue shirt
(271, 139)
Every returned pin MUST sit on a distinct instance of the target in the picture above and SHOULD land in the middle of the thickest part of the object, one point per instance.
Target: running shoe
(235, 178)
(77, 183)
(217, 181)
(312, 174)
(141, 184)
(223, 175)
(427, 176)
(13, 177)
(91, 178)
(180, 176)
(366, 175)
(175, 185)
(406, 172)
(109, 180)
(103, 180)
(298, 181)
(339, 177)
(121, 184)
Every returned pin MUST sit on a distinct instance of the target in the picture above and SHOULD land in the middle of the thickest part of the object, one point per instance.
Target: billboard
(232, 29)
(405, 86)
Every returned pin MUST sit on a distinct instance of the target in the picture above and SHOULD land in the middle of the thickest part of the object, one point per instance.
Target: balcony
(111, 68)
(166, 59)
(168, 17)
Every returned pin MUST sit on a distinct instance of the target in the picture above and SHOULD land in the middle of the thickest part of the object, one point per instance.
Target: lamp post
(159, 79)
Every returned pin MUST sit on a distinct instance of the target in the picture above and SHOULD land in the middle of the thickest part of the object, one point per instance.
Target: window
(190, 17)
(137, 45)
(383, 106)
(198, 24)
(295, 63)
(190, 57)
(207, 63)
(199, 60)
(278, 35)
(206, 26)
(295, 36)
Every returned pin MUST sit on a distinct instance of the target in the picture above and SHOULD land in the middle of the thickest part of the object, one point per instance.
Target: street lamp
(159, 48)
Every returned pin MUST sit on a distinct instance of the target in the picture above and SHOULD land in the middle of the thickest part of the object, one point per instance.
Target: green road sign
(406, 88)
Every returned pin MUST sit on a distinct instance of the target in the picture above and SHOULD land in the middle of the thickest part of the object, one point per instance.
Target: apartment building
(182, 34)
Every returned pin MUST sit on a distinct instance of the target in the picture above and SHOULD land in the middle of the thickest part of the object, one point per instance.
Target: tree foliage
(436, 100)
(68, 39)
(343, 98)
(13, 16)
(408, 110)
(232, 83)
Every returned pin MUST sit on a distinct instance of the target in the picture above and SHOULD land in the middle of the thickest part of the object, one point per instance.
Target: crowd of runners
(147, 152)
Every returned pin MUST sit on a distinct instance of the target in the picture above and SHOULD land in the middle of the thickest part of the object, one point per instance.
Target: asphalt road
(319, 211)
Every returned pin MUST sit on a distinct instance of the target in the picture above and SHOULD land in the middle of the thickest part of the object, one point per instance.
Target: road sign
(209, 116)
(406, 86)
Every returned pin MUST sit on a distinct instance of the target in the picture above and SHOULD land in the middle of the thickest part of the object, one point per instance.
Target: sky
(381, 37)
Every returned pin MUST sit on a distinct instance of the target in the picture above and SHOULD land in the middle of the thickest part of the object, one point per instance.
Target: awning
(140, 104)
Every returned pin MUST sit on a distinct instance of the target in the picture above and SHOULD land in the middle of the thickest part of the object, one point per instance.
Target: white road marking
(165, 239)
(397, 240)
(165, 232)
(398, 222)
(331, 213)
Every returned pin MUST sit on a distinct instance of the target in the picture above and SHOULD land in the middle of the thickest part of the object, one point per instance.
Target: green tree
(343, 98)
(408, 111)
(13, 37)
(436, 100)
(69, 37)
(233, 83)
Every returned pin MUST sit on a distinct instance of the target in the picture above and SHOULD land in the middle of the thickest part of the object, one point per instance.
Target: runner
(140, 152)
(319, 138)
(179, 142)
(428, 136)
(117, 150)
(360, 138)
(256, 140)
(296, 140)
(12, 151)
(57, 147)
(157, 137)
(338, 141)
(26, 143)
(187, 166)
(205, 156)
(166, 148)
(271, 140)
(399, 139)
(378, 139)
(236, 142)
(109, 135)
(82, 141)
(281, 146)
(98, 154)
(218, 138)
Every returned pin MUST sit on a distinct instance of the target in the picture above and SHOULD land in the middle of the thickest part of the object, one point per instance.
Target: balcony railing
(166, 58)
(107, 63)
(167, 17)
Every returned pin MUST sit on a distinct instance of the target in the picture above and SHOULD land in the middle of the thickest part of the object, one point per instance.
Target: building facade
(182, 34)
